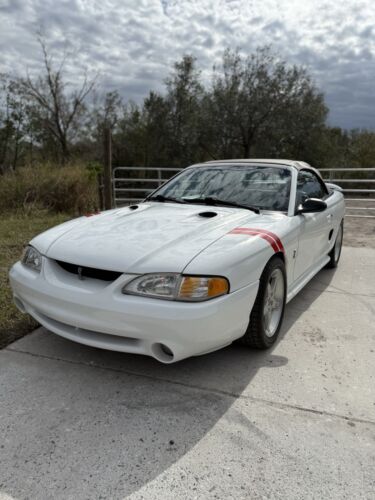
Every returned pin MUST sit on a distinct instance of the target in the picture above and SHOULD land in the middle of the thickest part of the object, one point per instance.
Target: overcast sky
(134, 42)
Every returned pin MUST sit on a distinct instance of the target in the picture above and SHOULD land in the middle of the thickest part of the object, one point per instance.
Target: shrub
(71, 188)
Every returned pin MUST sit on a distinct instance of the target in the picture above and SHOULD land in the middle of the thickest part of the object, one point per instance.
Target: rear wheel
(268, 310)
(335, 253)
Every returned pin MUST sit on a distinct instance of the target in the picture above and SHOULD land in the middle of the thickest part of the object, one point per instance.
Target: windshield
(263, 187)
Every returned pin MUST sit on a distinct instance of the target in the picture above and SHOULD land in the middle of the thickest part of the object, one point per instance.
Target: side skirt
(305, 278)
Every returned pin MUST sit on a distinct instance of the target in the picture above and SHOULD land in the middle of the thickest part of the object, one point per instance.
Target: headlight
(32, 258)
(154, 285)
(176, 287)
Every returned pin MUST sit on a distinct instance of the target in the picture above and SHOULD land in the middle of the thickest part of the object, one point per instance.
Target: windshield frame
(293, 172)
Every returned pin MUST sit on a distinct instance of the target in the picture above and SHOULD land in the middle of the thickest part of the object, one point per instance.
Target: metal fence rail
(365, 177)
(126, 185)
(133, 184)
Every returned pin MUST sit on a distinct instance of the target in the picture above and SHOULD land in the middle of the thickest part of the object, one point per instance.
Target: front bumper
(97, 314)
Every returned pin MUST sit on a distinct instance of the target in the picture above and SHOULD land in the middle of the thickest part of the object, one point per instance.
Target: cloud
(133, 44)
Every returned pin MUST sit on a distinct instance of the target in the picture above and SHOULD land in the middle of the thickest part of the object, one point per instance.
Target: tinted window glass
(308, 186)
(267, 188)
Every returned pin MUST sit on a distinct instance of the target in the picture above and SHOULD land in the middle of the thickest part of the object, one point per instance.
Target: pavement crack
(211, 390)
(344, 292)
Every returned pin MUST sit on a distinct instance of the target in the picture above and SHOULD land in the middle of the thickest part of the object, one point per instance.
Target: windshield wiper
(162, 198)
(209, 200)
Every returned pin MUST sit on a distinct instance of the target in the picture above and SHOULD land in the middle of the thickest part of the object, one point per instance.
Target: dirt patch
(315, 336)
(359, 232)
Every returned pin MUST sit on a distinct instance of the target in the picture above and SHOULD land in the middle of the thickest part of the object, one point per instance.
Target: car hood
(156, 237)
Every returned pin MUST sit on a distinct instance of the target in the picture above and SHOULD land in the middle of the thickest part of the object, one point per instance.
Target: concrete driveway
(294, 422)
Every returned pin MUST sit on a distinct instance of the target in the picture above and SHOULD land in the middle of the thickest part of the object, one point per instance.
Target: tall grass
(70, 189)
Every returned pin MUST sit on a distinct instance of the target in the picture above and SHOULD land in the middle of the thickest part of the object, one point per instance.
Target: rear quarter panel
(336, 206)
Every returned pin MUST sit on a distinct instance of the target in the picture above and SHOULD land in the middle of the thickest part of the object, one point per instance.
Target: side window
(308, 186)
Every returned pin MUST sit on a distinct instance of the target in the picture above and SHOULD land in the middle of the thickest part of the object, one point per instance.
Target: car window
(267, 188)
(308, 186)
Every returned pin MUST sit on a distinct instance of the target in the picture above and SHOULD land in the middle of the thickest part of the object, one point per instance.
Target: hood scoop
(207, 214)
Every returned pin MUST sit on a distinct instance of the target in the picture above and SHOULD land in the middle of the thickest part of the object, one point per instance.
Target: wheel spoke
(273, 302)
(277, 304)
(267, 318)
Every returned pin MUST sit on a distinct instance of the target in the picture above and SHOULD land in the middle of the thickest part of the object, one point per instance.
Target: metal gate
(359, 190)
(133, 184)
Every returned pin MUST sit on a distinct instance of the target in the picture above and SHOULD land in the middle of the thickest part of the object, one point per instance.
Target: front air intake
(83, 272)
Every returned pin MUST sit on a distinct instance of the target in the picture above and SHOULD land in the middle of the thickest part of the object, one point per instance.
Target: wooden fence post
(107, 173)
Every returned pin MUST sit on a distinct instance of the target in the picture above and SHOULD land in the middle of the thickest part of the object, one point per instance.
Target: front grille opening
(83, 272)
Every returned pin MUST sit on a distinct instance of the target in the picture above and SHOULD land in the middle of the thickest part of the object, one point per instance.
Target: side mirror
(311, 205)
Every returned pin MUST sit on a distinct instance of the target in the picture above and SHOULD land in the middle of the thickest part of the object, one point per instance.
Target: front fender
(237, 257)
(242, 254)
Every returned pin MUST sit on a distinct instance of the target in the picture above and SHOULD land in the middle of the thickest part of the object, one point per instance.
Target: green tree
(362, 148)
(260, 105)
(155, 130)
(14, 123)
(183, 119)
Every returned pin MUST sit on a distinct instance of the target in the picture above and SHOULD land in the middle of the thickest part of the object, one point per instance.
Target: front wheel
(334, 254)
(268, 310)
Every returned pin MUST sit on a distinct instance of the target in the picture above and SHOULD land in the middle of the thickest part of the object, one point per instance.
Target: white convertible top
(288, 163)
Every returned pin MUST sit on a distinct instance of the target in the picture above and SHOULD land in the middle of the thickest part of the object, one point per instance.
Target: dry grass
(72, 188)
(33, 199)
(16, 230)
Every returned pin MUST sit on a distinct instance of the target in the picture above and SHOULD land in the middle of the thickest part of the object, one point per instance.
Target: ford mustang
(211, 256)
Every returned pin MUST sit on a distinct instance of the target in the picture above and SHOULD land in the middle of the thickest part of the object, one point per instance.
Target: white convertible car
(211, 256)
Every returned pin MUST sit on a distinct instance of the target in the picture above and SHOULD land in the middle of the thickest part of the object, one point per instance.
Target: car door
(314, 228)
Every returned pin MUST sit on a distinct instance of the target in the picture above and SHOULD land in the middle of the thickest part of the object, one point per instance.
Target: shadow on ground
(103, 424)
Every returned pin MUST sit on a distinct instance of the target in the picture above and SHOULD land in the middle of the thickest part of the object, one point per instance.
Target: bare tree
(58, 110)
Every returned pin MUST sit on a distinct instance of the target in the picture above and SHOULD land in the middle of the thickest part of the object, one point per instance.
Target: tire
(335, 253)
(264, 328)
